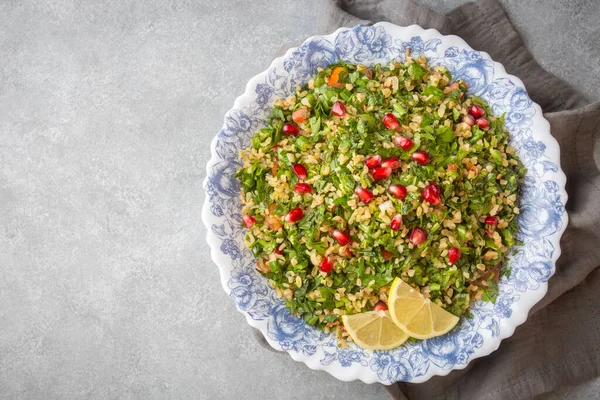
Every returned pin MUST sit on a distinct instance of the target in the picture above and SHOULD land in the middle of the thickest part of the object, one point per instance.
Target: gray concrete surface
(107, 109)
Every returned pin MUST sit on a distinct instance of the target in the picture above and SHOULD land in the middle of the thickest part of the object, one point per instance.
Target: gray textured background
(107, 109)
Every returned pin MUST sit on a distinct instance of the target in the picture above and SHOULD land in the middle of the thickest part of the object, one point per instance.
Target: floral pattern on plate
(542, 207)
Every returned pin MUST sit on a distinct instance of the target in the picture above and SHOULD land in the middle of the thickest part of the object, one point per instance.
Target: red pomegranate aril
(491, 221)
(392, 162)
(404, 143)
(476, 111)
(365, 195)
(294, 215)
(302, 188)
(248, 220)
(380, 173)
(490, 224)
(469, 120)
(390, 121)
(398, 191)
(373, 161)
(290, 129)
(421, 157)
(342, 237)
(380, 306)
(453, 255)
(300, 171)
(432, 194)
(338, 109)
(483, 123)
(396, 223)
(277, 251)
(326, 265)
(417, 236)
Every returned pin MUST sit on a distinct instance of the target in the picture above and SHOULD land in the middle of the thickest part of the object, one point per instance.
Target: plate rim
(524, 306)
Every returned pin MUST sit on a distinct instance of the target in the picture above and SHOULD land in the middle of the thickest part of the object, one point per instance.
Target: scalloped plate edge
(522, 307)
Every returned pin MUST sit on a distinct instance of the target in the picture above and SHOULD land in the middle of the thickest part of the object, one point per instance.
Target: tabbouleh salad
(371, 173)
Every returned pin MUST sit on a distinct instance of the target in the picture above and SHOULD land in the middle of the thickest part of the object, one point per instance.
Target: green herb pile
(478, 173)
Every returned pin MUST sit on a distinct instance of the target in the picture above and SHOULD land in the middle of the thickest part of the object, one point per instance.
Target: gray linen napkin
(559, 345)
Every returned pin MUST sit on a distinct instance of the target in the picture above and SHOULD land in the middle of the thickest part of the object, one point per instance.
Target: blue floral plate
(542, 220)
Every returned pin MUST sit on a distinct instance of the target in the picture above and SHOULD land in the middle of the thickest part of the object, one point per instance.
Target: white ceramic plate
(542, 220)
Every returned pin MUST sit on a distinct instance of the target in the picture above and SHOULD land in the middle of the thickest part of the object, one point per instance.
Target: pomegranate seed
(364, 195)
(421, 157)
(302, 188)
(248, 220)
(300, 115)
(277, 251)
(300, 171)
(404, 143)
(342, 237)
(432, 194)
(294, 215)
(476, 111)
(491, 221)
(398, 190)
(381, 173)
(391, 162)
(338, 109)
(380, 306)
(373, 161)
(469, 120)
(326, 265)
(390, 121)
(396, 223)
(453, 255)
(417, 236)
(483, 123)
(290, 129)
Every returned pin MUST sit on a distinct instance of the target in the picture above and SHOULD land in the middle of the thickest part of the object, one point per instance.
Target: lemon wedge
(374, 330)
(416, 315)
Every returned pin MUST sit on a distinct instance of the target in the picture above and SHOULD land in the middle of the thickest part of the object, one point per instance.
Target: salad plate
(542, 218)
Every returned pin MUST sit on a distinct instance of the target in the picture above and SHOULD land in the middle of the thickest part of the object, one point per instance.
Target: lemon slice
(374, 330)
(416, 315)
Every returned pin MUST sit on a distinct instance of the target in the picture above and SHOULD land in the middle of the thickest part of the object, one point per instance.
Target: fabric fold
(485, 27)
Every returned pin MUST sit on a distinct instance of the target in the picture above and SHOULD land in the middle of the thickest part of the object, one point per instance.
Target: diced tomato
(387, 255)
(300, 115)
(334, 78)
